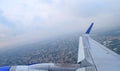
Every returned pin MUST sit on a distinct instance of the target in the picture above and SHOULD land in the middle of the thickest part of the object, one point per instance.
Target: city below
(57, 50)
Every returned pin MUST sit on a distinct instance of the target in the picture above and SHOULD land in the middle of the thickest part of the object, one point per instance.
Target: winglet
(89, 29)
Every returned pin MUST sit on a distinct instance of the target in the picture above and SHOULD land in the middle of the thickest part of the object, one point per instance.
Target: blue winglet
(89, 29)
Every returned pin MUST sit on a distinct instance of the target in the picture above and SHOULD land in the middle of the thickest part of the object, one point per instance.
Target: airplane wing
(95, 57)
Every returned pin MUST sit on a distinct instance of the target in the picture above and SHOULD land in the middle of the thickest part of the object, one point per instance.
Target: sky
(31, 20)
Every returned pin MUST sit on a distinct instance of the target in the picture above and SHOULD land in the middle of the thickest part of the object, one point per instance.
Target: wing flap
(81, 55)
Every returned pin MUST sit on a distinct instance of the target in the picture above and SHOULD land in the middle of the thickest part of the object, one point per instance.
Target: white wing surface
(93, 56)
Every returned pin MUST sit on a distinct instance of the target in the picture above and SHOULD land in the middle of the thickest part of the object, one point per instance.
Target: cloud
(54, 17)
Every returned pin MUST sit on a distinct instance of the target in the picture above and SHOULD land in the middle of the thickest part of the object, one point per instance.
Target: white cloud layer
(54, 17)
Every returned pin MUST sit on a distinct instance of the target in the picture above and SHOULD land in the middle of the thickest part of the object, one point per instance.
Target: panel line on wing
(88, 54)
